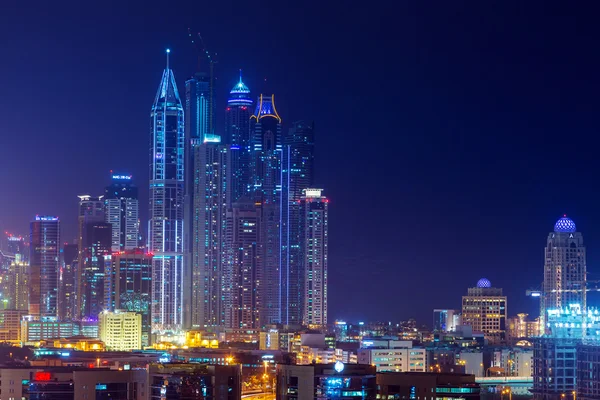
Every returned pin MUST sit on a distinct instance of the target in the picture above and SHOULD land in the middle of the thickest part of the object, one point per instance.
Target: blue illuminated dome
(484, 283)
(565, 225)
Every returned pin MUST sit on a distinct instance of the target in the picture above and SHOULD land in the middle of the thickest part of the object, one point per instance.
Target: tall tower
(91, 210)
(297, 175)
(564, 269)
(237, 132)
(43, 270)
(122, 211)
(266, 157)
(211, 187)
(314, 211)
(242, 279)
(67, 293)
(484, 308)
(165, 231)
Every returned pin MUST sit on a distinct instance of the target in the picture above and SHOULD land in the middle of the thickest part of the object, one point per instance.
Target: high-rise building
(19, 285)
(484, 308)
(237, 133)
(209, 226)
(242, 279)
(66, 292)
(314, 212)
(129, 286)
(95, 257)
(43, 269)
(266, 154)
(91, 210)
(166, 230)
(446, 320)
(297, 174)
(564, 269)
(122, 211)
(121, 330)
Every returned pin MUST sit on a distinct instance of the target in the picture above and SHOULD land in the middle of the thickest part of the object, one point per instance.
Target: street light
(574, 395)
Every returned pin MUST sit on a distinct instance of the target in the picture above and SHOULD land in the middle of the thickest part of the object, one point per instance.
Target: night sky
(450, 135)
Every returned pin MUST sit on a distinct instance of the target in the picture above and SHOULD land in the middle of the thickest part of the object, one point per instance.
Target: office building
(18, 289)
(244, 265)
(10, 326)
(91, 211)
(393, 355)
(265, 167)
(237, 133)
(129, 286)
(166, 228)
(297, 173)
(484, 308)
(564, 269)
(520, 327)
(120, 330)
(424, 385)
(211, 185)
(446, 320)
(33, 331)
(122, 212)
(339, 381)
(43, 269)
(95, 258)
(314, 214)
(67, 280)
(188, 381)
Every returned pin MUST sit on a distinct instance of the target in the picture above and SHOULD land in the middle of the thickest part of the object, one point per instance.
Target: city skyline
(472, 174)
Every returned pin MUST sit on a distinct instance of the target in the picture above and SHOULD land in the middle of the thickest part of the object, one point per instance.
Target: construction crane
(211, 59)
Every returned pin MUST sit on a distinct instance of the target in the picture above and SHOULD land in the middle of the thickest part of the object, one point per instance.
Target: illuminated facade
(91, 210)
(19, 286)
(166, 230)
(266, 152)
(244, 266)
(43, 269)
(129, 286)
(484, 309)
(121, 330)
(446, 320)
(66, 292)
(95, 259)
(211, 173)
(520, 327)
(314, 212)
(237, 132)
(564, 269)
(122, 211)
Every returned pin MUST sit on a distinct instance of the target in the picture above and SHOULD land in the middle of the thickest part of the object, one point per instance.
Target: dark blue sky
(451, 135)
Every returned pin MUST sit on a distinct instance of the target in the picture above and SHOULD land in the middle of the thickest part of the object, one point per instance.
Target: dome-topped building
(565, 224)
(484, 283)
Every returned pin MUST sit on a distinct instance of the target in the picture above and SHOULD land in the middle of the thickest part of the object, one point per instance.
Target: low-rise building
(121, 330)
(392, 355)
(426, 385)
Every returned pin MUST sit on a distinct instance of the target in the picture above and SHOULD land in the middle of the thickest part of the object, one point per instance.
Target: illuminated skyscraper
(211, 174)
(242, 279)
(43, 270)
(166, 230)
(91, 210)
(484, 308)
(297, 175)
(314, 229)
(95, 258)
(66, 292)
(237, 132)
(122, 211)
(564, 269)
(266, 158)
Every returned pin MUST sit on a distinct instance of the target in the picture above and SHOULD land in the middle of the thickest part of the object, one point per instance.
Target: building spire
(168, 52)
(241, 83)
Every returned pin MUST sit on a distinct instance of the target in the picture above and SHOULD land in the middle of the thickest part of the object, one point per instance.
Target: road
(259, 396)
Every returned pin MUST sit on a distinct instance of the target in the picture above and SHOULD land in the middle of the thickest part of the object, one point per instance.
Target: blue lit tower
(165, 231)
(564, 269)
(298, 175)
(266, 155)
(237, 132)
(43, 270)
(122, 211)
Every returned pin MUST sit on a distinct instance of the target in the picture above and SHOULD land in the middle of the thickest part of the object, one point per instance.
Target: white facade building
(121, 330)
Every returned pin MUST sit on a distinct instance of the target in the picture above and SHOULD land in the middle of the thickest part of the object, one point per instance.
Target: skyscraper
(209, 220)
(314, 229)
(237, 132)
(484, 308)
(297, 175)
(266, 152)
(166, 230)
(564, 269)
(95, 257)
(122, 211)
(43, 270)
(91, 210)
(242, 279)
(66, 292)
